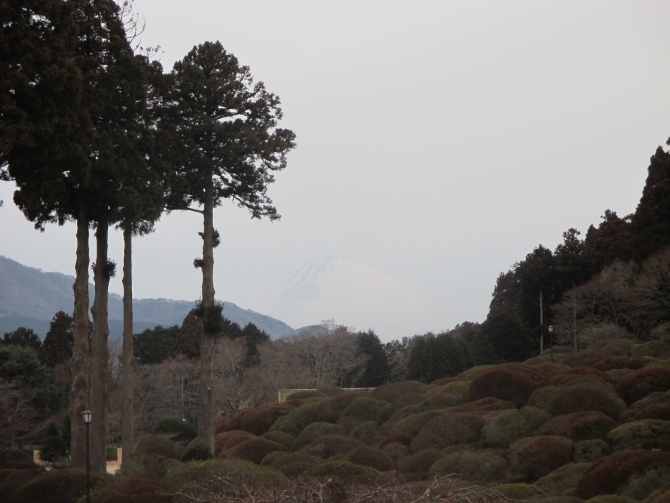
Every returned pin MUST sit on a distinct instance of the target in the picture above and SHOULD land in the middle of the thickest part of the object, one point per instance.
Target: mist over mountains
(30, 297)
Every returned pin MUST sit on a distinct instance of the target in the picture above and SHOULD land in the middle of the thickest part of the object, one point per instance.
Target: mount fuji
(353, 294)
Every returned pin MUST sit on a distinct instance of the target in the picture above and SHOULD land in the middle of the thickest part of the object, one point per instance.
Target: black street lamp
(551, 340)
(87, 415)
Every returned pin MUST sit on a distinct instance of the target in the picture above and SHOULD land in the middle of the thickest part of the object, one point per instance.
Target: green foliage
(366, 432)
(253, 336)
(420, 463)
(521, 491)
(315, 430)
(514, 382)
(377, 369)
(329, 409)
(371, 457)
(579, 426)
(211, 317)
(562, 478)
(54, 446)
(392, 391)
(638, 384)
(327, 446)
(187, 340)
(643, 434)
(177, 430)
(22, 337)
(585, 396)
(297, 419)
(342, 469)
(363, 409)
(154, 345)
(141, 488)
(196, 450)
(510, 338)
(305, 394)
(57, 345)
(641, 485)
(228, 439)
(542, 455)
(291, 464)
(506, 426)
(590, 450)
(444, 431)
(438, 356)
(280, 437)
(157, 444)
(254, 450)
(413, 424)
(475, 466)
(55, 486)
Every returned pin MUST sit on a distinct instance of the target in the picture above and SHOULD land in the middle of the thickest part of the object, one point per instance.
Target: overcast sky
(439, 142)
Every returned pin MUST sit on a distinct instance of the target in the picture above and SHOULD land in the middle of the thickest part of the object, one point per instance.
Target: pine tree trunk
(80, 347)
(100, 353)
(205, 402)
(127, 426)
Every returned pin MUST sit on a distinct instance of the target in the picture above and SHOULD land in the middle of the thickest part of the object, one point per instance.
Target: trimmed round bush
(394, 436)
(196, 450)
(535, 417)
(609, 473)
(641, 485)
(485, 405)
(541, 396)
(542, 455)
(229, 422)
(371, 457)
(198, 475)
(392, 391)
(13, 478)
(253, 450)
(615, 498)
(55, 486)
(331, 445)
(412, 424)
(341, 469)
(620, 362)
(155, 464)
(140, 488)
(650, 348)
(280, 437)
(521, 491)
(157, 444)
(396, 450)
(315, 430)
(562, 478)
(476, 466)
(644, 434)
(348, 424)
(658, 496)
(366, 432)
(419, 463)
(656, 411)
(300, 417)
(552, 368)
(258, 420)
(291, 464)
(638, 384)
(443, 431)
(585, 397)
(305, 394)
(228, 439)
(177, 430)
(444, 380)
(506, 426)
(362, 409)
(575, 373)
(588, 451)
(579, 426)
(472, 372)
(329, 409)
(513, 382)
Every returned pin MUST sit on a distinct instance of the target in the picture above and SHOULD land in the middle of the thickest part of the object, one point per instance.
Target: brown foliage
(141, 488)
(573, 373)
(229, 439)
(254, 450)
(443, 431)
(305, 394)
(610, 473)
(513, 382)
(403, 438)
(157, 444)
(331, 445)
(543, 455)
(552, 367)
(420, 462)
(584, 425)
(371, 457)
(229, 422)
(445, 380)
(15, 478)
(640, 383)
(485, 405)
(258, 420)
(620, 362)
(590, 450)
(391, 392)
(656, 411)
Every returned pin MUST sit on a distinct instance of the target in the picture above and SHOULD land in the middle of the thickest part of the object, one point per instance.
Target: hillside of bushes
(568, 426)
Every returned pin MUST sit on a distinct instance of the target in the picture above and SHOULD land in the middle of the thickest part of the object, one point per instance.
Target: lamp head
(87, 415)
(550, 328)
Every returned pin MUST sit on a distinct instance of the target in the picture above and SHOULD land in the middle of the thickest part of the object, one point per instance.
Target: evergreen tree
(23, 336)
(377, 369)
(188, 338)
(229, 145)
(57, 345)
(253, 336)
(154, 345)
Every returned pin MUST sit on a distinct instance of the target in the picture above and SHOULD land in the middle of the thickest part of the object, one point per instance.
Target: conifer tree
(229, 146)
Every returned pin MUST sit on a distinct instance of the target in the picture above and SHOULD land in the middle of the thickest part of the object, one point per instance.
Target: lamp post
(87, 415)
(550, 328)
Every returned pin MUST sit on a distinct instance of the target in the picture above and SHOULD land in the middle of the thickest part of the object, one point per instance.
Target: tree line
(95, 133)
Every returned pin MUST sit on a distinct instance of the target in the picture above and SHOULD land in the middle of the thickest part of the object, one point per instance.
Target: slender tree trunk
(206, 402)
(541, 325)
(127, 427)
(100, 352)
(80, 347)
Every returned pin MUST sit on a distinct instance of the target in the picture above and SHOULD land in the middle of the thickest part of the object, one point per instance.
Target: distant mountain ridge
(30, 297)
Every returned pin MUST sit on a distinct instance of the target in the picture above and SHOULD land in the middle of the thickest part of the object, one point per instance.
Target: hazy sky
(439, 142)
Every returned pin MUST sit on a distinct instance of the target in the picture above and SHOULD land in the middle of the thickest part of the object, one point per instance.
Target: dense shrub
(228, 423)
(542, 455)
(228, 439)
(384, 414)
(579, 426)
(585, 397)
(656, 411)
(299, 417)
(658, 496)
(575, 373)
(371, 457)
(476, 466)
(305, 394)
(396, 450)
(363, 409)
(541, 396)
(196, 450)
(620, 362)
(521, 491)
(562, 478)
(177, 430)
(291, 464)
(513, 382)
(391, 392)
(650, 348)
(419, 463)
(55, 486)
(366, 432)
(444, 380)
(331, 445)
(157, 444)
(258, 420)
(590, 450)
(552, 368)
(404, 400)
(341, 469)
(394, 436)
(315, 430)
(280, 437)
(329, 409)
(13, 478)
(485, 405)
(641, 485)
(348, 424)
(643, 434)
(472, 372)
(198, 476)
(606, 475)
(141, 488)
(412, 424)
(155, 464)
(14, 455)
(639, 384)
(253, 450)
(448, 430)
(506, 426)
(614, 498)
